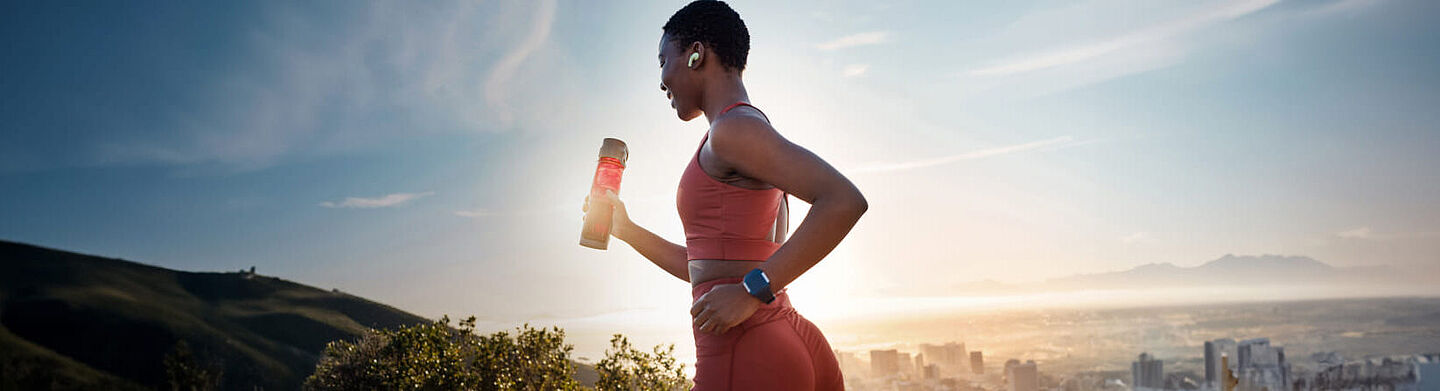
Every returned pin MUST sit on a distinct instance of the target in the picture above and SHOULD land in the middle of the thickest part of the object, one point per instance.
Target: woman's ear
(697, 55)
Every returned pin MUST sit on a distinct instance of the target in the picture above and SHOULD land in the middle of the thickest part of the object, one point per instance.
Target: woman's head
(711, 33)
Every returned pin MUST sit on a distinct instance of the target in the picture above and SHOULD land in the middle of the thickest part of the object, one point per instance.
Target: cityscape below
(1394, 345)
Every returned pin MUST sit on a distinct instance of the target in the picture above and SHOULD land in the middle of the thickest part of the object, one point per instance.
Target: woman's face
(679, 82)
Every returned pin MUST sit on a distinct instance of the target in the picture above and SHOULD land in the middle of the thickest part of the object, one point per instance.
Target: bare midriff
(702, 270)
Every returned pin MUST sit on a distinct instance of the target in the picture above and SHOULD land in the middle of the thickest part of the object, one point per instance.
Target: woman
(731, 203)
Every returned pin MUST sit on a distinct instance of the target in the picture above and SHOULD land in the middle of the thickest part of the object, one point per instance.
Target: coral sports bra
(724, 221)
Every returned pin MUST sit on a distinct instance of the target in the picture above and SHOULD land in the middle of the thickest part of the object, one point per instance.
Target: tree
(625, 368)
(435, 356)
(184, 373)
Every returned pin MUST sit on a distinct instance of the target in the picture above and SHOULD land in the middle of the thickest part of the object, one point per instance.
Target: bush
(625, 368)
(435, 356)
(184, 373)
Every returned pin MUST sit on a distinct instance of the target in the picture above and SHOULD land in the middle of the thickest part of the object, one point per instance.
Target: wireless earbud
(693, 58)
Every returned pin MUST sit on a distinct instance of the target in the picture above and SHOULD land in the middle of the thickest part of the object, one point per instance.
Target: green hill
(74, 321)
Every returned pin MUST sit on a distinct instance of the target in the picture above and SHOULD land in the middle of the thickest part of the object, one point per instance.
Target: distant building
(1401, 373)
(977, 363)
(884, 362)
(1427, 373)
(950, 356)
(932, 371)
(1022, 377)
(920, 363)
(1260, 366)
(906, 364)
(1147, 372)
(1214, 350)
(849, 364)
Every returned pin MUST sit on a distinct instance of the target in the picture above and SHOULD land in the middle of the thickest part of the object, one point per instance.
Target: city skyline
(434, 157)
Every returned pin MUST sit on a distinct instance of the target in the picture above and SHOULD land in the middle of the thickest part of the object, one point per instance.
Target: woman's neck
(722, 94)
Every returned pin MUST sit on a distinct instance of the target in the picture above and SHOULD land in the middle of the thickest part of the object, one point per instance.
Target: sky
(435, 156)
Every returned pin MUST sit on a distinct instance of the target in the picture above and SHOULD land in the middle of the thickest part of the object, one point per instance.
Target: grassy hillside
(76, 321)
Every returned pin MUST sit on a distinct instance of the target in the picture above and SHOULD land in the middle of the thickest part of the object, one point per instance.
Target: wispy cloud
(854, 70)
(861, 39)
(1057, 142)
(504, 70)
(1084, 52)
(386, 201)
(474, 213)
(313, 87)
(1356, 233)
(1365, 233)
(1135, 237)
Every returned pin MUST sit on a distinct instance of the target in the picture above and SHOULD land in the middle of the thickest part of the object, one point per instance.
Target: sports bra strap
(744, 103)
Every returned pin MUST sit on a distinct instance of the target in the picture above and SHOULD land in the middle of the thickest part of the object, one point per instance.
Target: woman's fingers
(614, 199)
(699, 305)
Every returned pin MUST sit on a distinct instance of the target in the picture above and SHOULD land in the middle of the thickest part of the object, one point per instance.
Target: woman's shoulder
(742, 130)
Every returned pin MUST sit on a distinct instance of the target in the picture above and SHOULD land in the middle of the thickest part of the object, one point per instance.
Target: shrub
(435, 356)
(625, 368)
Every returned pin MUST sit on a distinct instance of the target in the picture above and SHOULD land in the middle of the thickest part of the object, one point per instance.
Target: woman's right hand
(620, 220)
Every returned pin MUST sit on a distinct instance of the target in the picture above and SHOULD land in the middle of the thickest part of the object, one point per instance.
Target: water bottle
(596, 231)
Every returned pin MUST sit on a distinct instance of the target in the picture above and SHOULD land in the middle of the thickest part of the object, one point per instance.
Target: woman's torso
(742, 191)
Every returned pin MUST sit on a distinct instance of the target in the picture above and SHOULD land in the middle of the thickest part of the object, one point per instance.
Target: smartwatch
(758, 285)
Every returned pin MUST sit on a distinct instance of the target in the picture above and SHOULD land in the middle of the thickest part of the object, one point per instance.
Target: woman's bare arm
(668, 256)
(752, 148)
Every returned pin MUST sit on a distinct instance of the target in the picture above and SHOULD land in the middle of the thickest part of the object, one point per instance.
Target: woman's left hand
(723, 307)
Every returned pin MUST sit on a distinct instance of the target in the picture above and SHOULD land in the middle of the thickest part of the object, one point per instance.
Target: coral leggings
(775, 349)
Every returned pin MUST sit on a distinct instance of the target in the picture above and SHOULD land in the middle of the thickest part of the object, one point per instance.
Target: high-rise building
(920, 363)
(1261, 366)
(906, 364)
(950, 355)
(932, 371)
(1212, 359)
(1215, 349)
(849, 364)
(977, 363)
(1147, 372)
(884, 362)
(1022, 377)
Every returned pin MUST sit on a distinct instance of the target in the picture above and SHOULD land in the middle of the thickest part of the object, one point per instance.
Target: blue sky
(434, 156)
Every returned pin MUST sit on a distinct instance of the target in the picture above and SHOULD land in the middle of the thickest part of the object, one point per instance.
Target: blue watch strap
(758, 285)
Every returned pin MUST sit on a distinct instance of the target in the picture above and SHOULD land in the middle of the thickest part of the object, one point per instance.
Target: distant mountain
(1227, 270)
(73, 321)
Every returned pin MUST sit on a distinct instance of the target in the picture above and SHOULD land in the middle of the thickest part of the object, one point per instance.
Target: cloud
(1357, 233)
(381, 202)
(861, 39)
(1365, 233)
(1135, 237)
(378, 71)
(482, 212)
(855, 70)
(504, 70)
(1058, 142)
(1088, 51)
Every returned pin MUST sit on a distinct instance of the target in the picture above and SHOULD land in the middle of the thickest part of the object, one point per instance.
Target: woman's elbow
(858, 205)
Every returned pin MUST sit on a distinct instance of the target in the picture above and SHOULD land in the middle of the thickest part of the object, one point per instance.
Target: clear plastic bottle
(598, 215)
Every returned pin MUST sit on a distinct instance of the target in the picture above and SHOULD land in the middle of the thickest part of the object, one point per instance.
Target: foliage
(184, 373)
(625, 368)
(435, 356)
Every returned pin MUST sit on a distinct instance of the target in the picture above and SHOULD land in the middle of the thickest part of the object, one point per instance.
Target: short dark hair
(713, 23)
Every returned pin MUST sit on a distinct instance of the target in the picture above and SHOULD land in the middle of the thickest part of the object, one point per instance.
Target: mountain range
(1228, 270)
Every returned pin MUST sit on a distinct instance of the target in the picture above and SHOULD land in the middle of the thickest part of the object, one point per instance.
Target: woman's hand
(723, 307)
(620, 220)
